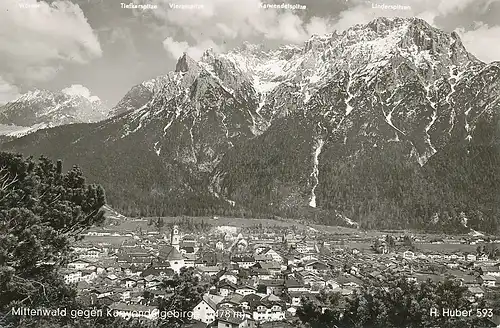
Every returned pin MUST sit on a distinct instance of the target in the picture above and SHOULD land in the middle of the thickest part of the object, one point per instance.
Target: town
(260, 275)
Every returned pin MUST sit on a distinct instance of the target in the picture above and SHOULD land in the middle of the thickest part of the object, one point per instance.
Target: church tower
(175, 238)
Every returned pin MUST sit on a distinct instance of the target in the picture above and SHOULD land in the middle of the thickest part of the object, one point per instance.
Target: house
(110, 278)
(92, 252)
(294, 299)
(99, 232)
(88, 274)
(124, 294)
(261, 274)
(188, 247)
(475, 293)
(483, 258)
(356, 251)
(471, 257)
(305, 247)
(234, 320)
(189, 260)
(72, 276)
(354, 270)
(102, 292)
(488, 281)
(268, 310)
(226, 288)
(331, 284)
(316, 266)
(231, 301)
(348, 281)
(271, 253)
(206, 309)
(469, 281)
(491, 271)
(243, 261)
(293, 285)
(308, 258)
(245, 290)
(249, 301)
(409, 255)
(206, 259)
(273, 286)
(152, 282)
(79, 264)
(209, 270)
(158, 268)
(273, 267)
(128, 282)
(260, 258)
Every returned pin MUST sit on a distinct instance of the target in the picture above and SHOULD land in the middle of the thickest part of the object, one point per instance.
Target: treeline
(185, 224)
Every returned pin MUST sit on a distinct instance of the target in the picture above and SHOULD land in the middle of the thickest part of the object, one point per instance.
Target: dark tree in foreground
(323, 312)
(401, 304)
(42, 210)
(187, 290)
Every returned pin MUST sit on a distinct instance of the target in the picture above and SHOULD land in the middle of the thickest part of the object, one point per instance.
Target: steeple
(175, 238)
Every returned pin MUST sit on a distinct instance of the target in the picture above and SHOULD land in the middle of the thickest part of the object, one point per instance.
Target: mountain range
(39, 109)
(388, 124)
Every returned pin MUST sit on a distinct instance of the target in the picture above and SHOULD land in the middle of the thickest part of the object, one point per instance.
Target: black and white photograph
(249, 163)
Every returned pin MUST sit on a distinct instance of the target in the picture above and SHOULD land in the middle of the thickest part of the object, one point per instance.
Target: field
(113, 240)
(447, 248)
(136, 224)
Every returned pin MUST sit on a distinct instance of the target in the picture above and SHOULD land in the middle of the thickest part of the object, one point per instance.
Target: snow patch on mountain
(350, 222)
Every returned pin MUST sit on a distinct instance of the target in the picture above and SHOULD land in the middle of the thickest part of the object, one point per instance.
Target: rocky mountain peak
(317, 43)
(208, 55)
(248, 47)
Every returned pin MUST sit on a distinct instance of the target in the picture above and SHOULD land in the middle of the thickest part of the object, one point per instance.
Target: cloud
(79, 90)
(8, 92)
(35, 41)
(222, 21)
(177, 48)
(483, 42)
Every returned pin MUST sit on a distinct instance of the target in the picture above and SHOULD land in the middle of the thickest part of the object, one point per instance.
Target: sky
(97, 48)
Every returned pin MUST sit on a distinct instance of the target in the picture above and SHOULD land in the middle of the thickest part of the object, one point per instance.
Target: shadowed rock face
(270, 128)
(184, 63)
